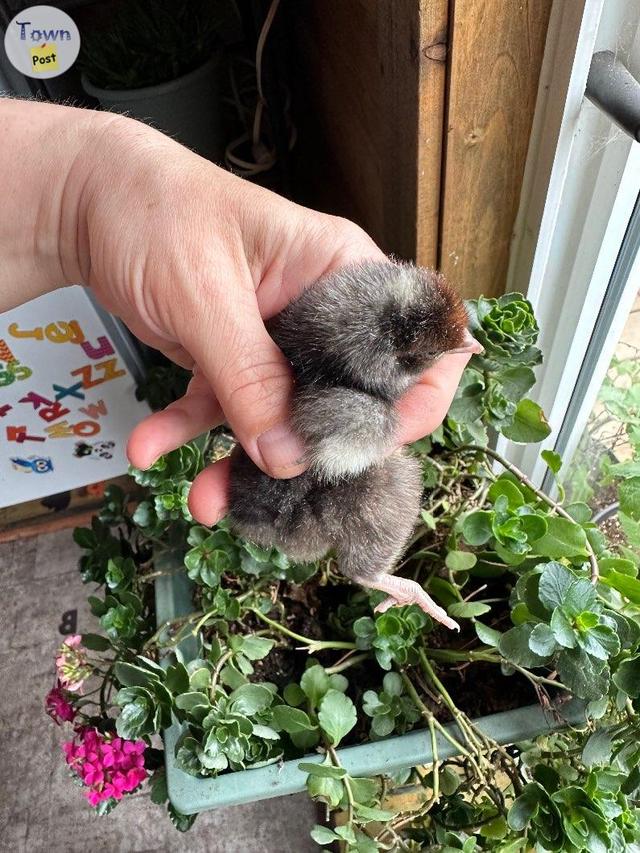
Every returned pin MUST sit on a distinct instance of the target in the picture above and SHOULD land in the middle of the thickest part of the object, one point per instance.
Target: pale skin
(193, 260)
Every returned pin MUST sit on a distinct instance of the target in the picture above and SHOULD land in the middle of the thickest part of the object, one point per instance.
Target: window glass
(605, 469)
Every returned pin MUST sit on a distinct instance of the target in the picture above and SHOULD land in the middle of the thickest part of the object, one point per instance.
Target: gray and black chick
(357, 339)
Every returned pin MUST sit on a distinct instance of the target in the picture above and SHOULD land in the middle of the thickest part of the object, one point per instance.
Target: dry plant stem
(477, 742)
(593, 562)
(428, 716)
(454, 656)
(435, 791)
(346, 661)
(215, 675)
(166, 626)
(345, 779)
(312, 645)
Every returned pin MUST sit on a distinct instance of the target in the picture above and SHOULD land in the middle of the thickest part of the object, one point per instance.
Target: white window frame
(582, 181)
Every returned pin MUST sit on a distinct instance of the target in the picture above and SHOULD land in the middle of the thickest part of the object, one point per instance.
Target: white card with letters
(67, 401)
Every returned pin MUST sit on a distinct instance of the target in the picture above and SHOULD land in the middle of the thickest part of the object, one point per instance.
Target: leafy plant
(613, 430)
(150, 43)
(282, 661)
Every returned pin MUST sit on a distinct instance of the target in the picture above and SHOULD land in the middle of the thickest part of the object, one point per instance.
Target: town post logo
(42, 42)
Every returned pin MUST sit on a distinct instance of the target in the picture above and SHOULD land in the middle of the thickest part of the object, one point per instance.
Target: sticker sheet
(67, 401)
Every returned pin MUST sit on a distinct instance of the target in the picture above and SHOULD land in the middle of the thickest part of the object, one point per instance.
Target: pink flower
(72, 665)
(58, 706)
(109, 766)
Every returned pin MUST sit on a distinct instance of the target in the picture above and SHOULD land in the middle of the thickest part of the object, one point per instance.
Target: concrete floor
(40, 808)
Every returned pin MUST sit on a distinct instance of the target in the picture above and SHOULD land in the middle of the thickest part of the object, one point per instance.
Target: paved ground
(40, 808)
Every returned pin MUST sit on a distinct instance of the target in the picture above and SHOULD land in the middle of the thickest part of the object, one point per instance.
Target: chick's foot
(403, 591)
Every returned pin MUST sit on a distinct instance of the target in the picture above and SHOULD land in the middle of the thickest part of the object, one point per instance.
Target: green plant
(147, 43)
(290, 659)
(613, 430)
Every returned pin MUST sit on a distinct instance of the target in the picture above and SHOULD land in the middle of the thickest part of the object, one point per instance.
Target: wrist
(39, 221)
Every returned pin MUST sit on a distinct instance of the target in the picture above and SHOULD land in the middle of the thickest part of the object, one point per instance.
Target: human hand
(193, 259)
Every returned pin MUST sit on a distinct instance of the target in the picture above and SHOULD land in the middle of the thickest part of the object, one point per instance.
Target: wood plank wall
(370, 104)
(414, 121)
(496, 52)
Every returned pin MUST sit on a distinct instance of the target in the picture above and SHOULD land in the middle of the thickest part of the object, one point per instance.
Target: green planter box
(191, 795)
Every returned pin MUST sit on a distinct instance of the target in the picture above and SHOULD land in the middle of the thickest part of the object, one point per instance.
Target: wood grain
(371, 80)
(496, 53)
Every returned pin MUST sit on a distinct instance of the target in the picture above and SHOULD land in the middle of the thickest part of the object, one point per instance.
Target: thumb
(251, 379)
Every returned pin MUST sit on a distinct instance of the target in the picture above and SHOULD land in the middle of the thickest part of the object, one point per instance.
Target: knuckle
(255, 389)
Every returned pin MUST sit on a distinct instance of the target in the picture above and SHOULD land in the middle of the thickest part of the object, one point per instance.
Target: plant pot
(191, 795)
(187, 108)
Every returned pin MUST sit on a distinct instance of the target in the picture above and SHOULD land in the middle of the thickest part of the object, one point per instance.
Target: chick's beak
(469, 345)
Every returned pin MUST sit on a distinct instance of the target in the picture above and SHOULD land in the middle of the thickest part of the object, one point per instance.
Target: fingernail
(281, 449)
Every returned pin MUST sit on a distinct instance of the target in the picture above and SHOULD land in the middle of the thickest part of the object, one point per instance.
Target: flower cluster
(58, 706)
(72, 664)
(109, 766)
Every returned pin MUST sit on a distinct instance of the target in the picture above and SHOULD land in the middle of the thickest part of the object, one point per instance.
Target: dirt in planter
(313, 610)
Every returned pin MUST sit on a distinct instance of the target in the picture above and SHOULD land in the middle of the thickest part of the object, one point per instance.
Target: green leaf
(133, 676)
(256, 648)
(323, 835)
(579, 512)
(629, 497)
(95, 642)
(586, 620)
(200, 679)
(339, 682)
(504, 486)
(187, 701)
(392, 684)
(337, 715)
(449, 781)
(460, 561)
(597, 749)
(626, 585)
(516, 381)
(555, 580)
(130, 723)
(617, 564)
(293, 694)
(580, 597)
(601, 642)
(542, 640)
(250, 699)
(383, 724)
(529, 424)
(585, 676)
(562, 629)
(314, 683)
(563, 538)
(326, 790)
(291, 720)
(467, 609)
(177, 678)
(514, 646)
(627, 677)
(488, 636)
(159, 793)
(477, 527)
(553, 460)
(497, 829)
(428, 519)
(367, 813)
(525, 807)
(631, 529)
(323, 770)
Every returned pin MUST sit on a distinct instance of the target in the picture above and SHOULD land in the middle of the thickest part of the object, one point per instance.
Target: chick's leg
(404, 591)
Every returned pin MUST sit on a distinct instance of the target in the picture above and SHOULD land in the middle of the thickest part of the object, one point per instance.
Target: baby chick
(357, 340)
